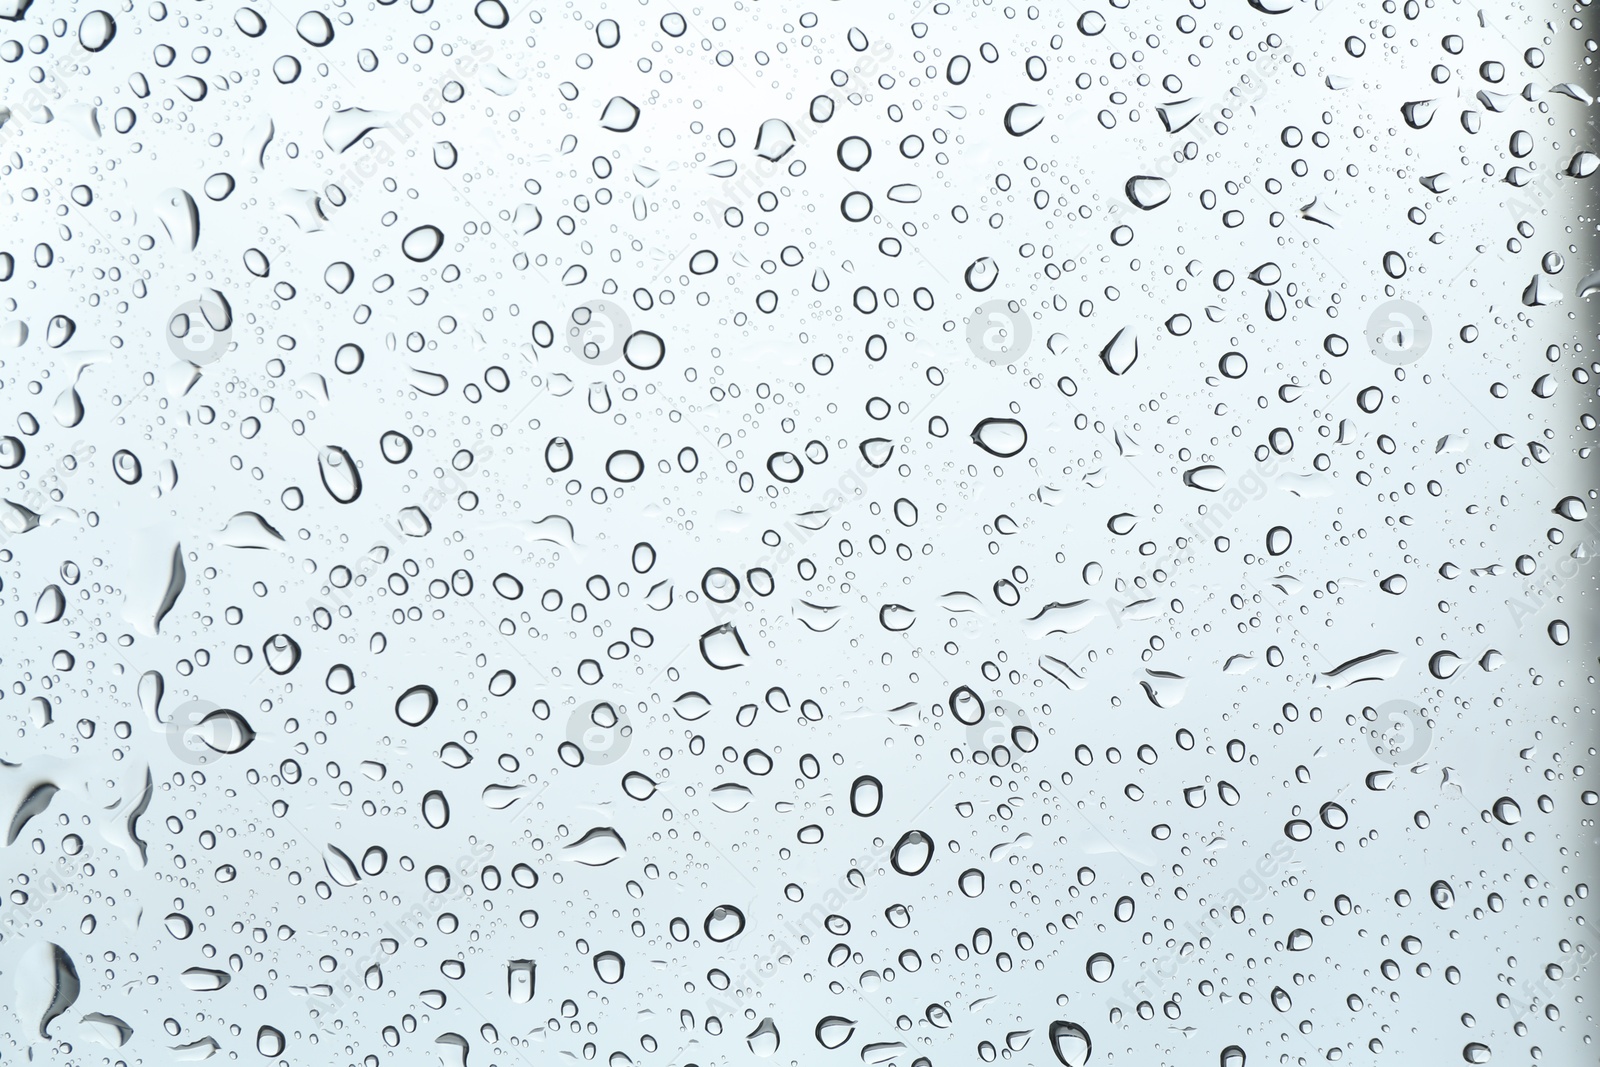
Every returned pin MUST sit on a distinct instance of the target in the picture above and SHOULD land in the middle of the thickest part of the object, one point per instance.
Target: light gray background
(251, 848)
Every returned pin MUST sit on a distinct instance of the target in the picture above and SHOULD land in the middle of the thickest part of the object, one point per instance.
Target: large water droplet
(1070, 1042)
(1146, 191)
(422, 243)
(1023, 119)
(912, 853)
(1000, 437)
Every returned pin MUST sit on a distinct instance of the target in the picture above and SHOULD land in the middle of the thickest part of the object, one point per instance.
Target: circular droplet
(982, 274)
(609, 967)
(624, 465)
(856, 206)
(854, 153)
(314, 29)
(492, 13)
(250, 22)
(644, 349)
(395, 446)
(416, 705)
(720, 585)
(97, 30)
(785, 466)
(724, 923)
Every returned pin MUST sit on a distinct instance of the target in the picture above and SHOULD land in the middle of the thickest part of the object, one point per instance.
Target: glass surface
(901, 533)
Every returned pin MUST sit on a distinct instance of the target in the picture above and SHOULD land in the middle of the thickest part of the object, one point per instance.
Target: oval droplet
(1000, 437)
(422, 243)
(912, 853)
(866, 796)
(416, 705)
(724, 923)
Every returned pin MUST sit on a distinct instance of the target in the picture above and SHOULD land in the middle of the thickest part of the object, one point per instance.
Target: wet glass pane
(892, 533)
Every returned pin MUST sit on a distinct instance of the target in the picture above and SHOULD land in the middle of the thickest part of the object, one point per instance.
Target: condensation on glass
(917, 534)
